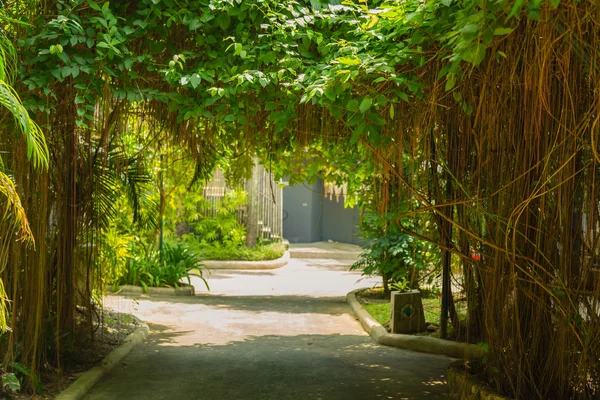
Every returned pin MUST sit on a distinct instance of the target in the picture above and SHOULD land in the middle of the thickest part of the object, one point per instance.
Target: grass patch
(264, 252)
(432, 307)
(379, 311)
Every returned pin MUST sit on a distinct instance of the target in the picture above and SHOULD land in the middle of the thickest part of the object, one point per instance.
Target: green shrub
(216, 251)
(391, 253)
(224, 228)
(148, 271)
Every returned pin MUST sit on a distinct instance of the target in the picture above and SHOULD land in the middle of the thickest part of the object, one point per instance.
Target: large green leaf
(475, 54)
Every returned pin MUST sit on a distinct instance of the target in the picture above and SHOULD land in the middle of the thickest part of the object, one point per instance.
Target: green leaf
(94, 6)
(470, 28)
(358, 131)
(66, 71)
(211, 100)
(352, 105)
(270, 105)
(336, 111)
(484, 346)
(10, 383)
(475, 54)
(555, 3)
(417, 38)
(444, 71)
(238, 48)
(414, 86)
(348, 60)
(392, 112)
(365, 104)
(330, 93)
(195, 24)
(374, 137)
(450, 82)
(316, 4)
(403, 96)
(502, 31)
(224, 21)
(376, 118)
(516, 8)
(357, 118)
(206, 17)
(534, 14)
(195, 80)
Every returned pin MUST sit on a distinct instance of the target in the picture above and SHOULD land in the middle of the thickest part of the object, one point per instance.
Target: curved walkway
(279, 334)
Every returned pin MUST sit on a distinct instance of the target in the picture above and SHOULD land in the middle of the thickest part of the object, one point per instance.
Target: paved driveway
(278, 334)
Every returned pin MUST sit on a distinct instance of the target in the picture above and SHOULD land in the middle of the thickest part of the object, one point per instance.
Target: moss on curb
(463, 386)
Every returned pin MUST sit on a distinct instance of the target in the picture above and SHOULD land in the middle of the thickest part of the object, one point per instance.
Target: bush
(224, 228)
(391, 253)
(148, 271)
(261, 252)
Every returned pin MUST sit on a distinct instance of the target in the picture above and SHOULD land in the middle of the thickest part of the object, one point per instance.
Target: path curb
(131, 290)
(423, 344)
(324, 255)
(462, 385)
(78, 389)
(248, 265)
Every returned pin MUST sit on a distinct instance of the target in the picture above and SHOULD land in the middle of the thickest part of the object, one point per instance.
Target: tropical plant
(224, 228)
(217, 251)
(149, 271)
(391, 253)
(37, 152)
(114, 252)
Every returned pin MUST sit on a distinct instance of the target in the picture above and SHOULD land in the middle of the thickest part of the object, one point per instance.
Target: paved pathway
(261, 335)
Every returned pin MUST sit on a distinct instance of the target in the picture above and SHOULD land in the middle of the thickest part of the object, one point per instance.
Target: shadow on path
(327, 367)
(291, 304)
(267, 335)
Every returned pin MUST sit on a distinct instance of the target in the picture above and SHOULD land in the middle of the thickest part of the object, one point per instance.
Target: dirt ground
(110, 329)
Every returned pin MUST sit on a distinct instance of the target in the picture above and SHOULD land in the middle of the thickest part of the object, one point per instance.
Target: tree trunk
(252, 215)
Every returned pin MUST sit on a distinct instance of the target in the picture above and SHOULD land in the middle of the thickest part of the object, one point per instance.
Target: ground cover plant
(177, 262)
(261, 252)
(379, 307)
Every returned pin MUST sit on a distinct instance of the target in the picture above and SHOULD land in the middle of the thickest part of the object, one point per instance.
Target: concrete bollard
(406, 312)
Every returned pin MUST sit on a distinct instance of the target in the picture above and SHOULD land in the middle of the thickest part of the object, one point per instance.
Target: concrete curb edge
(324, 255)
(248, 265)
(463, 385)
(423, 344)
(82, 385)
(131, 290)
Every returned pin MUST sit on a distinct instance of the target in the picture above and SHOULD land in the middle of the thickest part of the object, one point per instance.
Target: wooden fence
(269, 201)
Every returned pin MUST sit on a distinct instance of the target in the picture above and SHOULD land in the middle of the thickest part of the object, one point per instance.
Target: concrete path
(325, 250)
(261, 335)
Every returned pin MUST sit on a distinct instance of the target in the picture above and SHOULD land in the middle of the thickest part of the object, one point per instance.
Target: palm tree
(37, 153)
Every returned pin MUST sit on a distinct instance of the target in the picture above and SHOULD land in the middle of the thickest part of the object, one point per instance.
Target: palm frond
(37, 150)
(14, 208)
